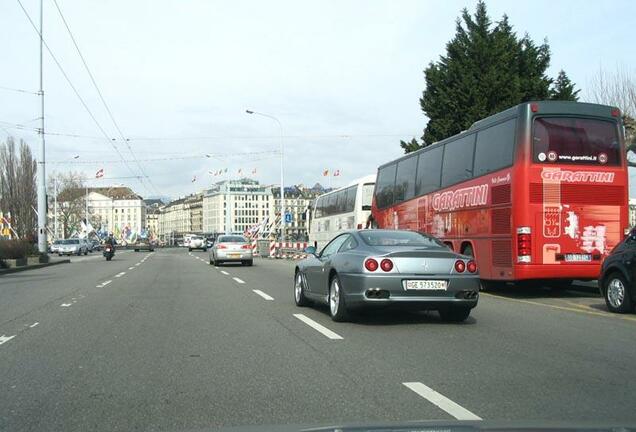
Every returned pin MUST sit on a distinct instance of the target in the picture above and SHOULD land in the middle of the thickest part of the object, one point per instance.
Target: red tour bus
(538, 191)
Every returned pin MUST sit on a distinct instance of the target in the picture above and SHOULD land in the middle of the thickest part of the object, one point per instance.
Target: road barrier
(287, 250)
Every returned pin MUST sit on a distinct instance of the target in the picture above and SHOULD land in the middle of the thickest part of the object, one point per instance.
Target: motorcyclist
(110, 240)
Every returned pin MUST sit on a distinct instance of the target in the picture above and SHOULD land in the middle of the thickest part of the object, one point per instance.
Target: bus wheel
(468, 251)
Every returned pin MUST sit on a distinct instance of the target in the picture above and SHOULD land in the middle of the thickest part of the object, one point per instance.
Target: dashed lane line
(138, 264)
(262, 294)
(241, 281)
(5, 339)
(34, 324)
(452, 408)
(225, 273)
(120, 274)
(131, 268)
(66, 305)
(103, 284)
(318, 327)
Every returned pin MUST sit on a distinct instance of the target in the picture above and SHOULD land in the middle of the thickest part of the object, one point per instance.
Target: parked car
(97, 246)
(55, 246)
(72, 247)
(143, 244)
(197, 242)
(617, 279)
(363, 268)
(231, 248)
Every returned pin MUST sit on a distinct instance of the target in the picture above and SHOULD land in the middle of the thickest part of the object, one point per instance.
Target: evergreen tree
(563, 88)
(410, 146)
(486, 69)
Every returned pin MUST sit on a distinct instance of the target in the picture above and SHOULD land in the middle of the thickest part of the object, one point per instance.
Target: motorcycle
(109, 252)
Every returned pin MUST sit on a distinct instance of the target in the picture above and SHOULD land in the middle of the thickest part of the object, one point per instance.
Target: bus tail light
(524, 245)
(460, 266)
(471, 266)
(386, 265)
(371, 264)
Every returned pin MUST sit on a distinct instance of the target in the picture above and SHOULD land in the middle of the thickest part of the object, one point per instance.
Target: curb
(33, 266)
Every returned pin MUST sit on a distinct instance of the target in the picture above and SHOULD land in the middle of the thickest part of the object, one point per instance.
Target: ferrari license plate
(578, 257)
(425, 284)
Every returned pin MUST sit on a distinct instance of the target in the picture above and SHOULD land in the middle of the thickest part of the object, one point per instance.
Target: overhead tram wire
(70, 83)
(101, 96)
(17, 90)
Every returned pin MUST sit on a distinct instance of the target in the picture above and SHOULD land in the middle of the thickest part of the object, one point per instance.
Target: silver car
(72, 247)
(387, 268)
(231, 248)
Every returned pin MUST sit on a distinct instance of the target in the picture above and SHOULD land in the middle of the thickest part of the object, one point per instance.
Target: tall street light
(282, 184)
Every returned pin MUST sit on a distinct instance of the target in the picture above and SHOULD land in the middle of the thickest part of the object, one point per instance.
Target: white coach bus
(346, 208)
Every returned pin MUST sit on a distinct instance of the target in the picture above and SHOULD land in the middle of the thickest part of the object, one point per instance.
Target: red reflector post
(460, 266)
(471, 266)
(386, 265)
(371, 265)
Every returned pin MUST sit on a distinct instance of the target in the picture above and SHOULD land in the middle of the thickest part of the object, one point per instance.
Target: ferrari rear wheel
(337, 307)
(299, 290)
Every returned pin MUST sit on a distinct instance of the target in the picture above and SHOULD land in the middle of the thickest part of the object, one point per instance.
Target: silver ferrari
(363, 268)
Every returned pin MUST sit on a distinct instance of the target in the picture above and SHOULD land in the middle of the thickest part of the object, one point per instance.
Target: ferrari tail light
(371, 264)
(524, 244)
(471, 266)
(386, 265)
(460, 266)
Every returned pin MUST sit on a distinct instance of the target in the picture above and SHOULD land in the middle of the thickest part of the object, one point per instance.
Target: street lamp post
(282, 171)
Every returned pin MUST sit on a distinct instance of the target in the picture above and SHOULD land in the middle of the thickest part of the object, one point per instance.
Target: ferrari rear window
(398, 238)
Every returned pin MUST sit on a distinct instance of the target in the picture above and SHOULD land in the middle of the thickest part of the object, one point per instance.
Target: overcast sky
(343, 77)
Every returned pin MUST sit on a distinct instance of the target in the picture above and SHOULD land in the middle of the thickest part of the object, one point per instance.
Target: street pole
(282, 172)
(55, 207)
(86, 210)
(42, 243)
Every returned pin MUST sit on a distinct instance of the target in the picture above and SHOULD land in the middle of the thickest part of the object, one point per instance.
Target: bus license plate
(425, 285)
(578, 257)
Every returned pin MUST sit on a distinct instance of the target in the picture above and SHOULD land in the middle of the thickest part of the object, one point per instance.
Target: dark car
(618, 273)
(364, 268)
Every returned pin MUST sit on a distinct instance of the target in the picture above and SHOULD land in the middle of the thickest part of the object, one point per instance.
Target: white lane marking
(34, 324)
(105, 283)
(457, 411)
(120, 274)
(131, 268)
(319, 327)
(225, 273)
(238, 280)
(65, 305)
(262, 294)
(137, 264)
(216, 267)
(4, 339)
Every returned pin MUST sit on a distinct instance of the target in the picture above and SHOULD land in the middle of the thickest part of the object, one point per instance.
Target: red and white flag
(336, 173)
(99, 173)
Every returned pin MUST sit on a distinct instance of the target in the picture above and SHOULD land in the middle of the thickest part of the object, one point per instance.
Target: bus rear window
(566, 140)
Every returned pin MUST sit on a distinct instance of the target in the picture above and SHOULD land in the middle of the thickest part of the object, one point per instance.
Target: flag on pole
(336, 173)
(99, 173)
(254, 171)
(194, 179)
(325, 173)
(240, 171)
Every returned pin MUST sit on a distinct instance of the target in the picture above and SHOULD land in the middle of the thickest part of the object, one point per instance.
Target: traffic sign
(288, 217)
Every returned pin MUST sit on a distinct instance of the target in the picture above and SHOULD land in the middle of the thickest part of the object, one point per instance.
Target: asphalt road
(164, 341)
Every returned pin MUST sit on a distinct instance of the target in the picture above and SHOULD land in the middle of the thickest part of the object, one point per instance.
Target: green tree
(563, 88)
(486, 69)
(410, 146)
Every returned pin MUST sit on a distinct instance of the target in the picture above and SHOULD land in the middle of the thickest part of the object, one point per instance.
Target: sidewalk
(53, 260)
